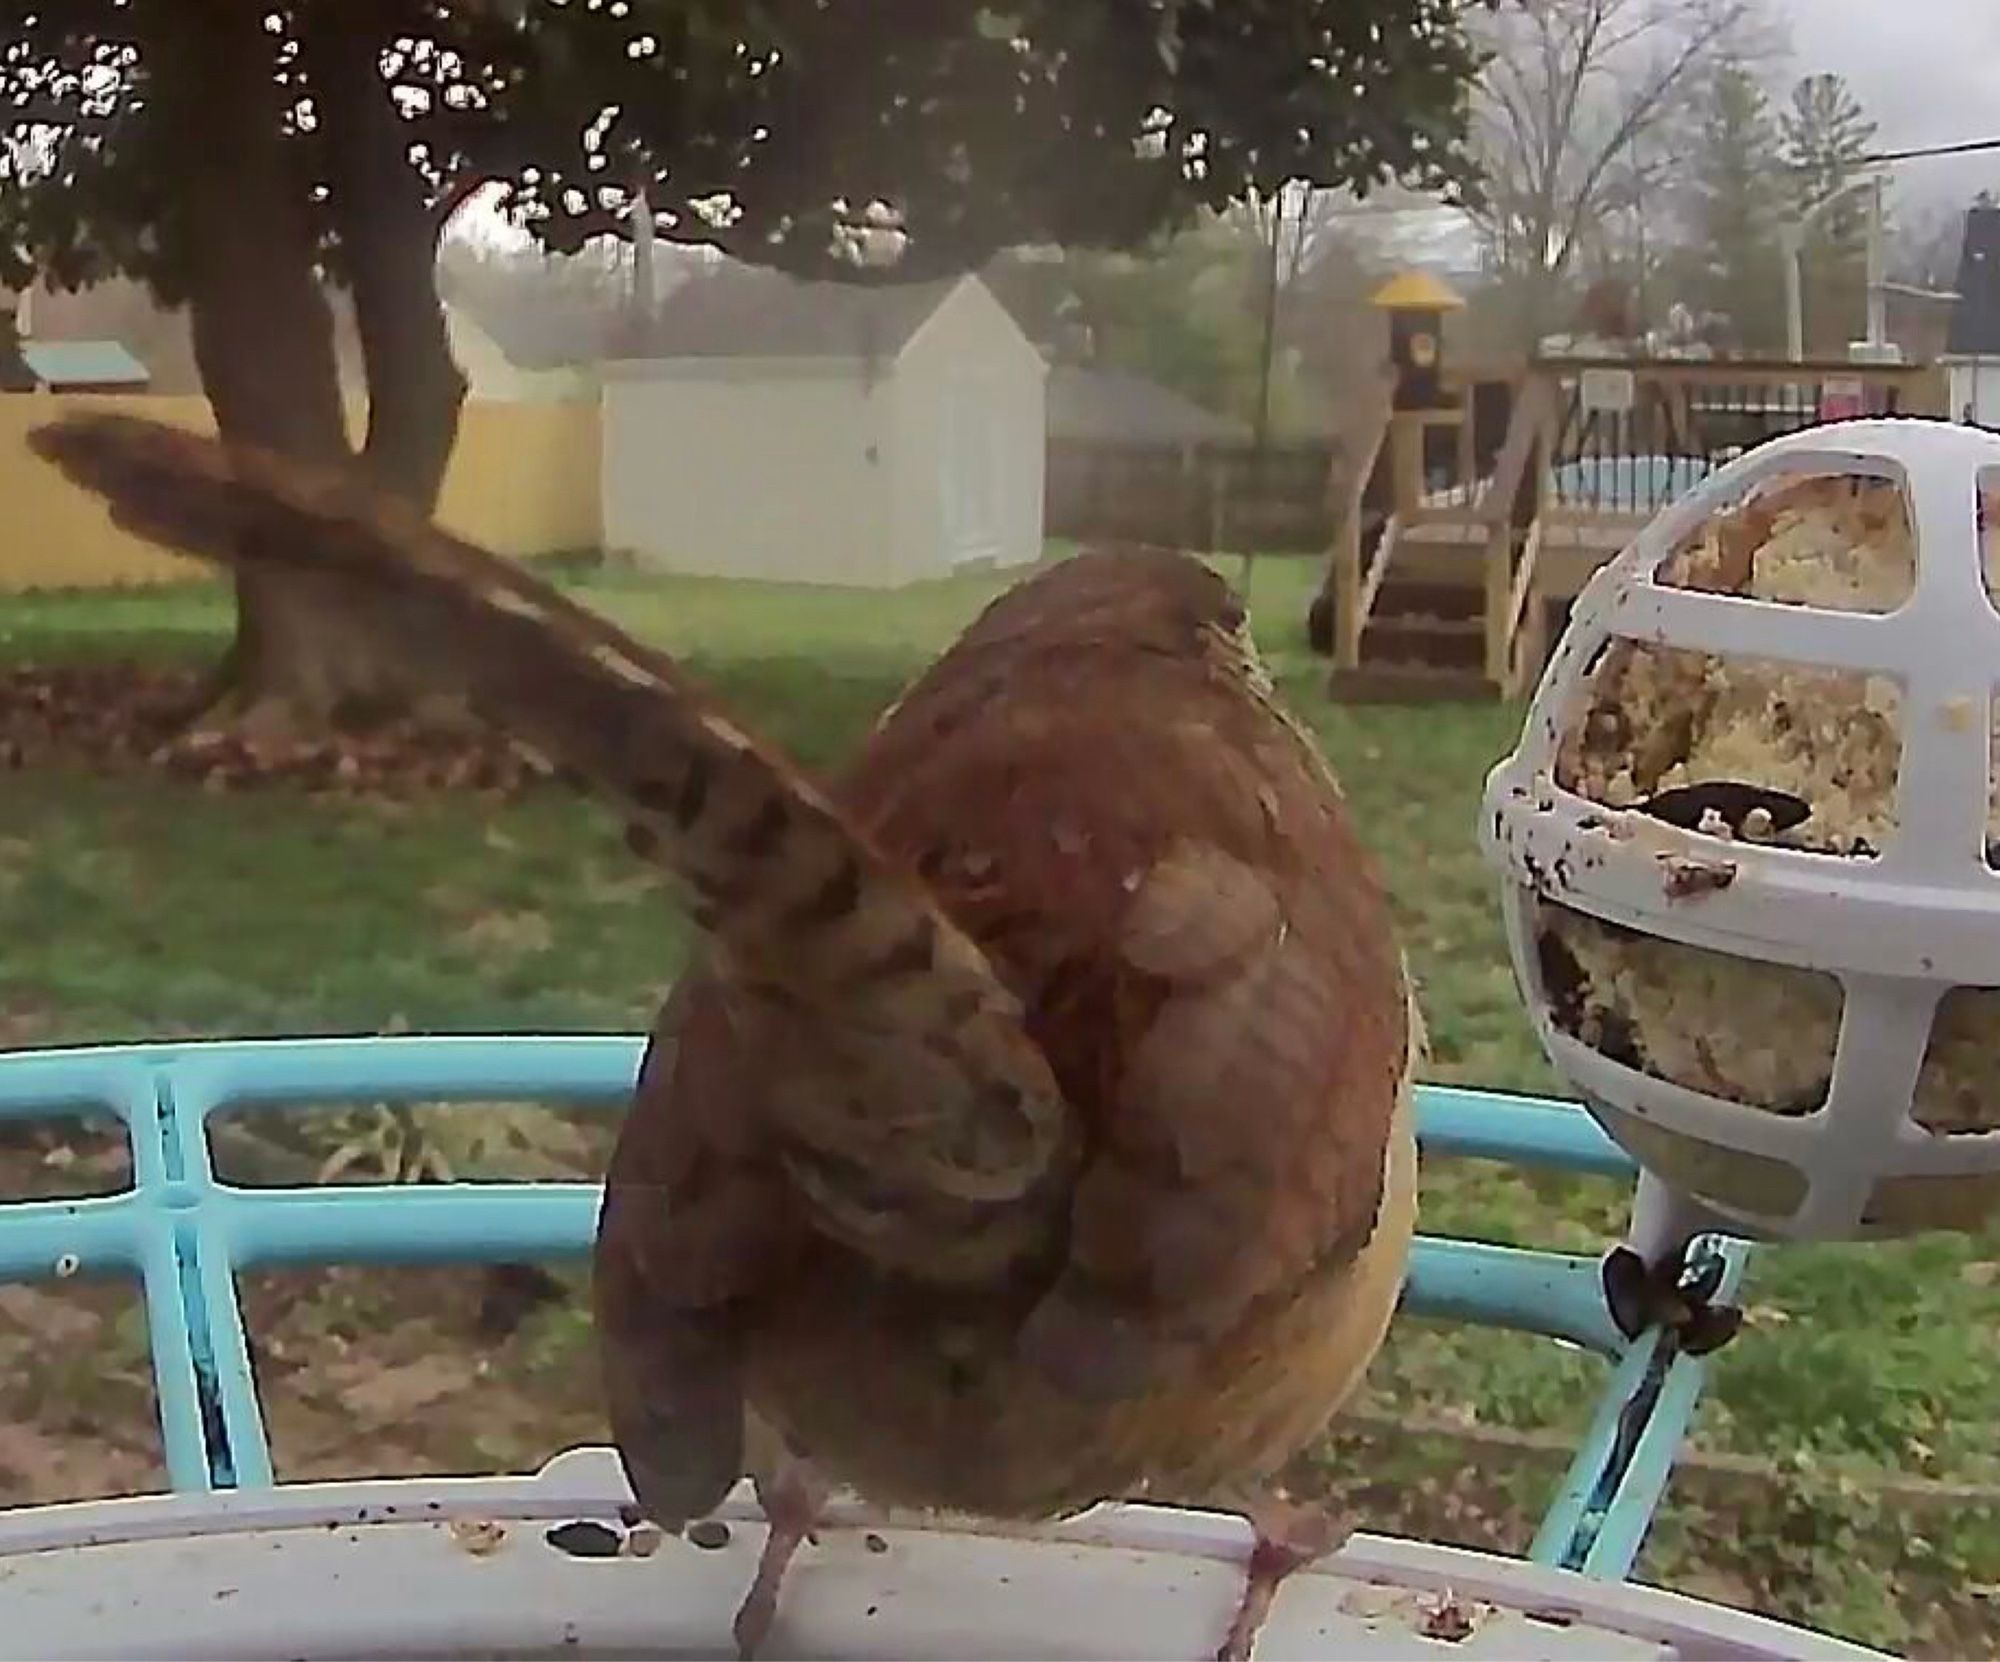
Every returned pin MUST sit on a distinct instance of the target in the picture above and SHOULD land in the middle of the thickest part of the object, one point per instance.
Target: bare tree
(1295, 228)
(1573, 119)
(1925, 241)
(1292, 225)
(1308, 225)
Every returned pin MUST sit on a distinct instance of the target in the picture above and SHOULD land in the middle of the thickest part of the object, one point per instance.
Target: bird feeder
(1416, 303)
(1750, 836)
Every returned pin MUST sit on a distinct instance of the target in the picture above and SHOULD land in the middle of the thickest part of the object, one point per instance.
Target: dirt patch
(386, 1372)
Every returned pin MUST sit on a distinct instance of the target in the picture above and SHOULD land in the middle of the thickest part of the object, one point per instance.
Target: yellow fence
(523, 480)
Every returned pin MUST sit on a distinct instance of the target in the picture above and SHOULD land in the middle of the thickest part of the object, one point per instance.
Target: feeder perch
(1749, 841)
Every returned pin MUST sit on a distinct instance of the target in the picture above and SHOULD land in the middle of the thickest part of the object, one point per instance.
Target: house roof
(1114, 404)
(72, 363)
(745, 312)
(1975, 320)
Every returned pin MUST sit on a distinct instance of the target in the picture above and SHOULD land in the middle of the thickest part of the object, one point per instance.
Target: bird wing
(1098, 782)
(1243, 1150)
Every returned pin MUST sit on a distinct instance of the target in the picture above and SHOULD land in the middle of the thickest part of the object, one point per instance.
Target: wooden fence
(1206, 497)
(523, 480)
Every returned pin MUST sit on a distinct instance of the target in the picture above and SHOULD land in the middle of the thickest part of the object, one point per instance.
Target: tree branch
(1549, 85)
(459, 188)
(1640, 114)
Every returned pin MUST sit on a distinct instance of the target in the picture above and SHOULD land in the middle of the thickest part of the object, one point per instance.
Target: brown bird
(1035, 1129)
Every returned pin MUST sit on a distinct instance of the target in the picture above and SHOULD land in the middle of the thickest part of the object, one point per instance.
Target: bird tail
(801, 910)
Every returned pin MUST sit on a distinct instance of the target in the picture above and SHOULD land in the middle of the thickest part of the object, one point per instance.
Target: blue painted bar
(1521, 1130)
(1549, 1293)
(275, 1073)
(46, 1084)
(1563, 1535)
(235, 1381)
(1598, 1520)
(429, 1223)
(1631, 1504)
(101, 1233)
(176, 1377)
(278, 1073)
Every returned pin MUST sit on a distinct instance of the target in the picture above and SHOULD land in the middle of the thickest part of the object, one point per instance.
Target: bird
(1032, 1127)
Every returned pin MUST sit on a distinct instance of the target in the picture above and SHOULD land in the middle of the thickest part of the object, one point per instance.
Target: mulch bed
(114, 717)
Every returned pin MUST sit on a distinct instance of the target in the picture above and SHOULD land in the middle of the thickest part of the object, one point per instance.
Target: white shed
(826, 432)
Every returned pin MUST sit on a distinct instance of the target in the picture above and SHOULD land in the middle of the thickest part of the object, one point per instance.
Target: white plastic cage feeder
(1749, 833)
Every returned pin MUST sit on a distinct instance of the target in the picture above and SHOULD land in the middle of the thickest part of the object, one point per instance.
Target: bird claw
(1671, 1295)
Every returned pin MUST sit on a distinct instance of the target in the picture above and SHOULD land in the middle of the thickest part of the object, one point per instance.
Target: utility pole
(1262, 424)
(643, 291)
(1792, 238)
(1261, 428)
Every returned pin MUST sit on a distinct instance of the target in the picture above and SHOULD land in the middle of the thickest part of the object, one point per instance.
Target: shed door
(972, 475)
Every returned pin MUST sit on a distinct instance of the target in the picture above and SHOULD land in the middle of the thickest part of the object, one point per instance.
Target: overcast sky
(1927, 70)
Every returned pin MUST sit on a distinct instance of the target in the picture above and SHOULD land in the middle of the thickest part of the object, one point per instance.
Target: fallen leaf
(109, 716)
(1448, 1620)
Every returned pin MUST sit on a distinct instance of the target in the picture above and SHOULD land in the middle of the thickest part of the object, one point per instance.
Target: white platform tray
(460, 1568)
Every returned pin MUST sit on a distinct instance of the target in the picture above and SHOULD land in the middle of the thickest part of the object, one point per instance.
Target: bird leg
(1290, 1535)
(792, 1498)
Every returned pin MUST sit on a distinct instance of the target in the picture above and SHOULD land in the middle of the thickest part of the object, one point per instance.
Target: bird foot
(792, 1500)
(1672, 1294)
(1289, 1537)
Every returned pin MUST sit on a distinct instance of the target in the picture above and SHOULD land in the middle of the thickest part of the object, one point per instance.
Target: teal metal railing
(186, 1235)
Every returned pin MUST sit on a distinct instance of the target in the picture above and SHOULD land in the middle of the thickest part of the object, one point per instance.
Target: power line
(1966, 147)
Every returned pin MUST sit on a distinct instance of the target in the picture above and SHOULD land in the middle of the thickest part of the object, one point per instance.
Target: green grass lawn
(137, 907)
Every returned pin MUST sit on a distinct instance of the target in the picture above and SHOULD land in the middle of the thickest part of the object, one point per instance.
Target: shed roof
(1115, 404)
(745, 312)
(1975, 320)
(83, 363)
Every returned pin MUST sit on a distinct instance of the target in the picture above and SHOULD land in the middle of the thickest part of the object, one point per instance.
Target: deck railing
(1594, 447)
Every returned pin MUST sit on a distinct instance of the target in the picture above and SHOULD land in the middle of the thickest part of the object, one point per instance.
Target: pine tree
(1737, 195)
(1826, 137)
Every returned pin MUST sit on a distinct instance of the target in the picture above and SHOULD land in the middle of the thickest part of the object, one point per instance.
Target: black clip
(1672, 1294)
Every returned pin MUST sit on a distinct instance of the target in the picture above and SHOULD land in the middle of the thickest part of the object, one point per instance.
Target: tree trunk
(388, 236)
(302, 659)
